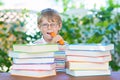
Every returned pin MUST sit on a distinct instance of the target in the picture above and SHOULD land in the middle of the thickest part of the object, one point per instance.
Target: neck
(47, 40)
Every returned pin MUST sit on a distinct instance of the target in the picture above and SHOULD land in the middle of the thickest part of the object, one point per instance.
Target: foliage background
(101, 26)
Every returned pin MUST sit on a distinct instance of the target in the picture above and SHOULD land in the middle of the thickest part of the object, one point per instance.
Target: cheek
(43, 31)
(56, 30)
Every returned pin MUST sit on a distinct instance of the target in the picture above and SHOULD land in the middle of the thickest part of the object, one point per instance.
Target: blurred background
(84, 21)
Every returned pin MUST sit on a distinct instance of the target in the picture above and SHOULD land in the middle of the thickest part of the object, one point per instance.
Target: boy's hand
(57, 39)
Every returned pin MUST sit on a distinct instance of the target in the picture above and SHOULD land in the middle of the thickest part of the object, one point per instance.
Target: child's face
(47, 27)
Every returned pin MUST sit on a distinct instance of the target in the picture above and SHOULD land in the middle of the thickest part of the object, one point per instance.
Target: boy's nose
(49, 26)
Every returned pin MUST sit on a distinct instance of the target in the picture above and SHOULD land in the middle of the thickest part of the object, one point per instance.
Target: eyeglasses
(46, 25)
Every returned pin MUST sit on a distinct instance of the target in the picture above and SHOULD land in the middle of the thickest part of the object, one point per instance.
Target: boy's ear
(39, 27)
(60, 26)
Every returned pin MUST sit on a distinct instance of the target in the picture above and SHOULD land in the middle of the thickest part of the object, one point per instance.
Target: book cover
(89, 53)
(30, 55)
(33, 66)
(33, 60)
(33, 73)
(87, 66)
(35, 48)
(102, 47)
(101, 59)
(88, 73)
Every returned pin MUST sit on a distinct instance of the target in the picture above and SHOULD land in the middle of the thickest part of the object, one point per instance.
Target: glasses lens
(46, 25)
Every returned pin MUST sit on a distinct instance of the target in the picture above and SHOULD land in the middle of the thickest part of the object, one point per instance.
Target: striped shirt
(40, 41)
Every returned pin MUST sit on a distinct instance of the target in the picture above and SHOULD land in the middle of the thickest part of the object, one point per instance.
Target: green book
(32, 48)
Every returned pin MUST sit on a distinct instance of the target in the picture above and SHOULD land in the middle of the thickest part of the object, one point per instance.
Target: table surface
(61, 76)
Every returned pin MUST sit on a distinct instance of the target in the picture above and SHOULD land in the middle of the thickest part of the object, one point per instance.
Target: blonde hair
(51, 15)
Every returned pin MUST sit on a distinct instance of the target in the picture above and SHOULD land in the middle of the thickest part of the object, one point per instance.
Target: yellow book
(87, 66)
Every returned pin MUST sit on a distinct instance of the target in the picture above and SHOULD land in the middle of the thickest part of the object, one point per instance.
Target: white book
(89, 53)
(33, 73)
(35, 48)
(102, 47)
(101, 59)
(88, 73)
(30, 55)
(87, 66)
(33, 66)
(33, 60)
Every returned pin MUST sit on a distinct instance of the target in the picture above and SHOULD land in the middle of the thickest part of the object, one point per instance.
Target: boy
(49, 21)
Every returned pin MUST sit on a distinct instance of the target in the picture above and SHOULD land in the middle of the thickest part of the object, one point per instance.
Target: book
(59, 55)
(87, 66)
(35, 48)
(33, 66)
(102, 47)
(89, 53)
(33, 60)
(14, 54)
(60, 65)
(60, 70)
(60, 58)
(88, 73)
(33, 73)
(100, 59)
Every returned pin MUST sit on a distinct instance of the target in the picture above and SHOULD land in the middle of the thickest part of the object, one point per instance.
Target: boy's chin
(49, 37)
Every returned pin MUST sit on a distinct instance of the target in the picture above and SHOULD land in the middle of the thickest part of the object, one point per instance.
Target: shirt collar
(43, 40)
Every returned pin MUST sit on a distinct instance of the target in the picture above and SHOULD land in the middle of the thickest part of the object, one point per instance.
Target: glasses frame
(47, 25)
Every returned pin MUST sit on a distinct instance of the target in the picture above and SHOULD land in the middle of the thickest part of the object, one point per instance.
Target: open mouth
(48, 33)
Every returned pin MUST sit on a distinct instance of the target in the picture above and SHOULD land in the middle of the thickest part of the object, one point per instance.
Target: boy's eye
(53, 24)
(45, 25)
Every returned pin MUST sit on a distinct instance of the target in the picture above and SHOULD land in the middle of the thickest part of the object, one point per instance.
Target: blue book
(101, 47)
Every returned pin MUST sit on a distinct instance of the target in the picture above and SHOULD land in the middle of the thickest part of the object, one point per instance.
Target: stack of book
(88, 59)
(60, 58)
(33, 60)
(60, 61)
